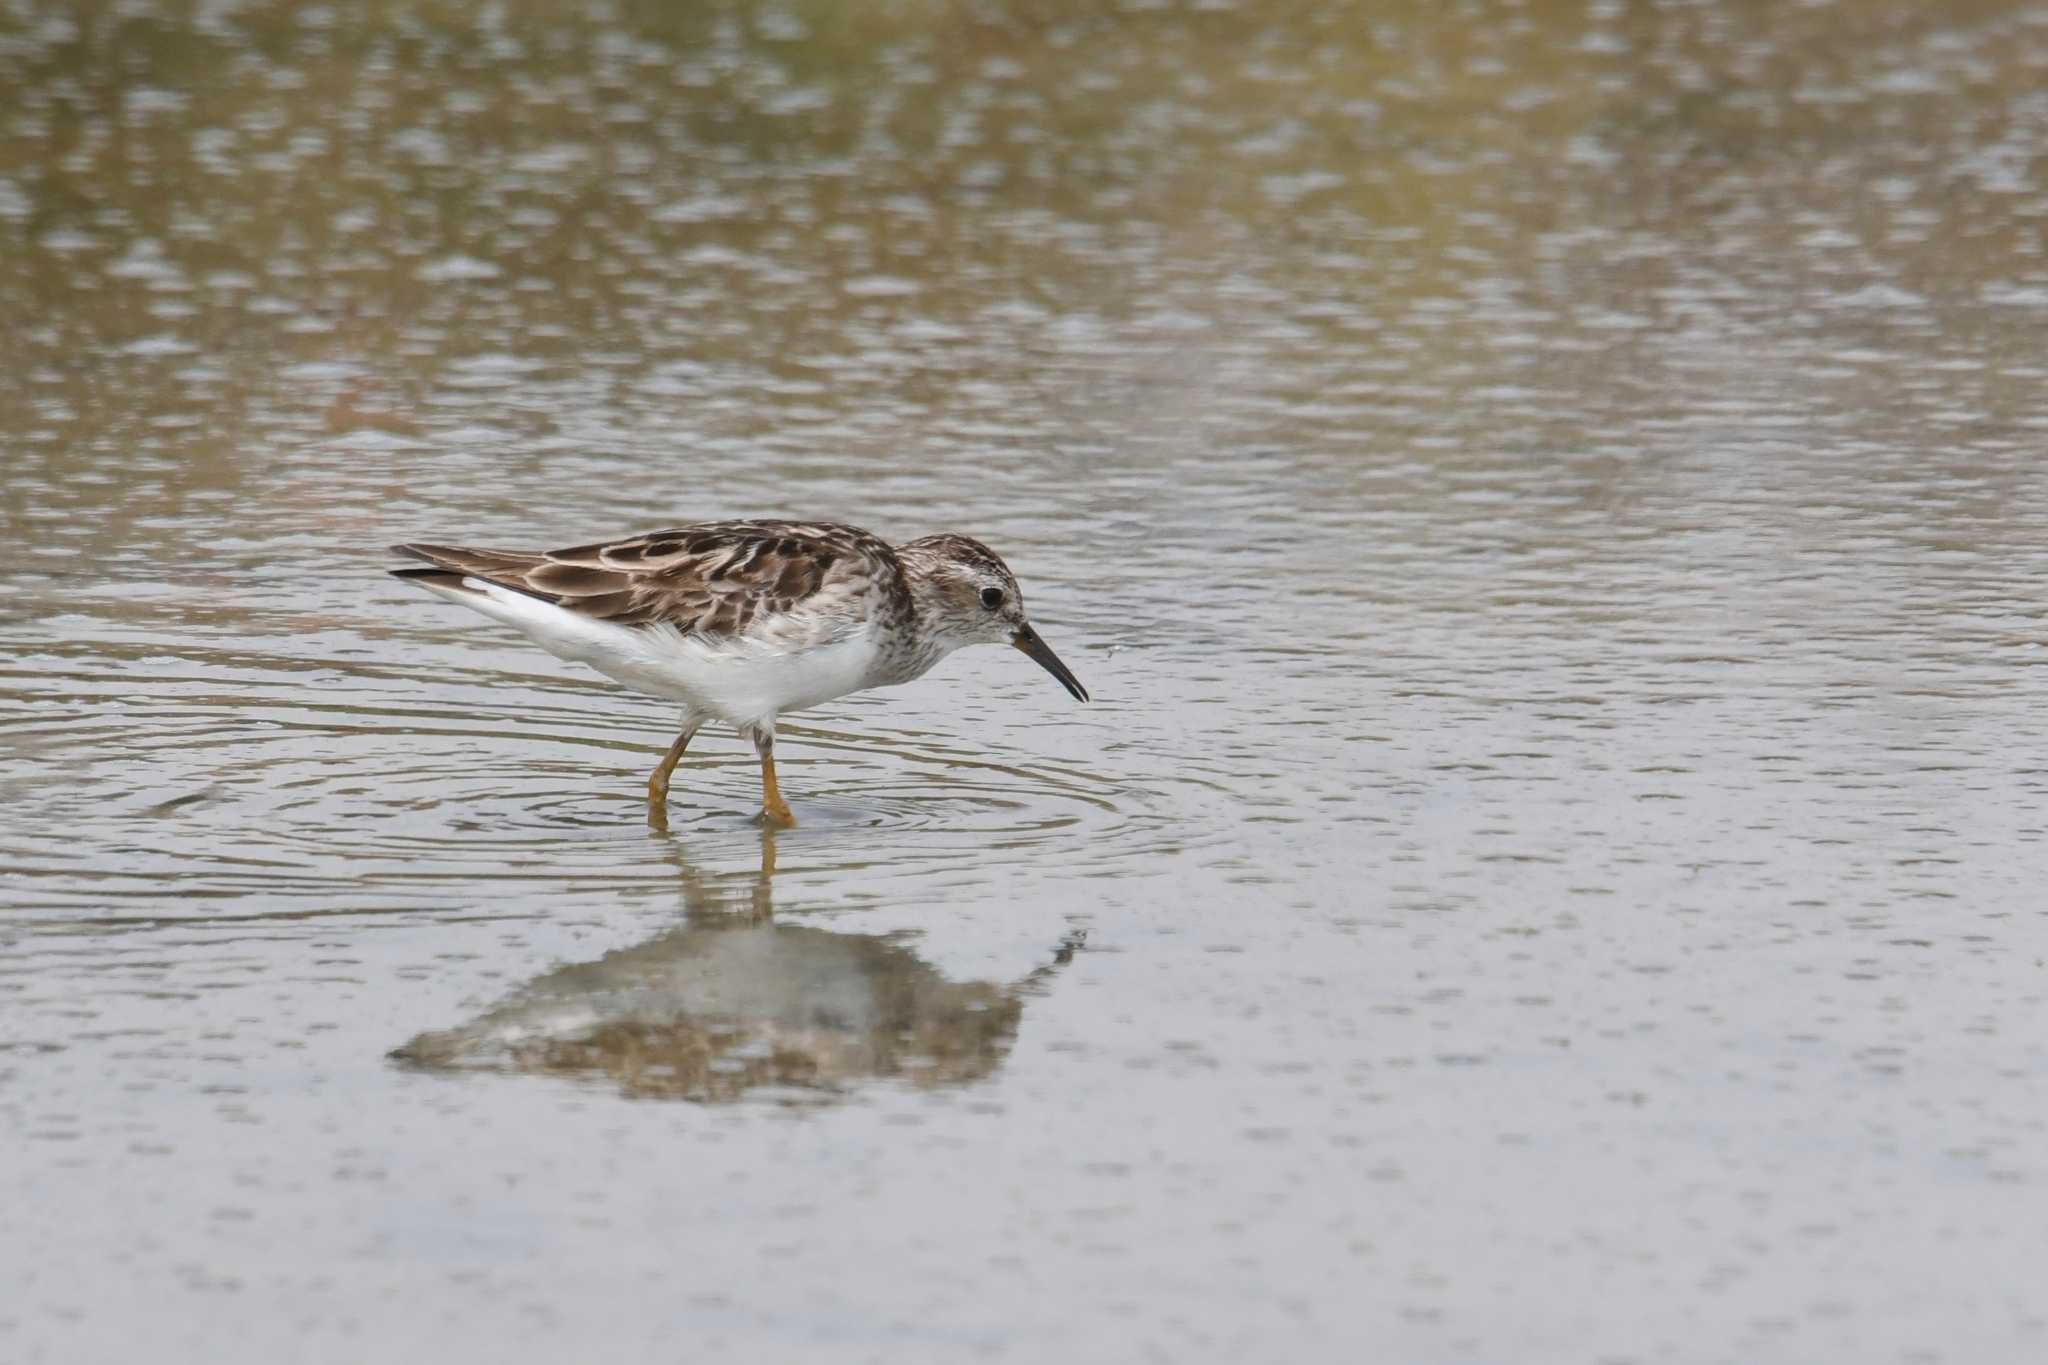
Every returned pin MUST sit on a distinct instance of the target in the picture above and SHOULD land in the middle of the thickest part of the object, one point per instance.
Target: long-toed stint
(745, 621)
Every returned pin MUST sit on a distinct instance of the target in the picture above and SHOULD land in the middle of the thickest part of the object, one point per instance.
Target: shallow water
(1547, 499)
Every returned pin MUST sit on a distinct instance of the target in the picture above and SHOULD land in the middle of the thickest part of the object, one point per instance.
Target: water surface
(1547, 499)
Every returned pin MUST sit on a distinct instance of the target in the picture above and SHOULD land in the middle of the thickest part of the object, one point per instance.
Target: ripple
(227, 780)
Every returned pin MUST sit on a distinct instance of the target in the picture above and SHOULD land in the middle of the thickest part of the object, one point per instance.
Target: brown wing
(720, 579)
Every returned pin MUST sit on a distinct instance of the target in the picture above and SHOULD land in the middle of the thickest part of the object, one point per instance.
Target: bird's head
(966, 595)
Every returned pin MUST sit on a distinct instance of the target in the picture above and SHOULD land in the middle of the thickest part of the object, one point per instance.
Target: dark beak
(1027, 640)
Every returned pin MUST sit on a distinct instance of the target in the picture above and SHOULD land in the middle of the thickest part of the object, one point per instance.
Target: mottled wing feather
(499, 566)
(789, 583)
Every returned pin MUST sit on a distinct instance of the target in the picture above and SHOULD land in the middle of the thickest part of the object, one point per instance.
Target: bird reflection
(732, 1002)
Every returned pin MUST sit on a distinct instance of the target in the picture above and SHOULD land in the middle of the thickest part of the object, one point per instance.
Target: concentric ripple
(230, 774)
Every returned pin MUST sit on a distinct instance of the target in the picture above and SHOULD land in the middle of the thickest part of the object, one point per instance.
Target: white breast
(744, 682)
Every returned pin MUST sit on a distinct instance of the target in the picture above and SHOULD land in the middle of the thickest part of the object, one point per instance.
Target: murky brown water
(1549, 501)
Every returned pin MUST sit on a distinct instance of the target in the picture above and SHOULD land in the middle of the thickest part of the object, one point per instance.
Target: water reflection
(733, 1003)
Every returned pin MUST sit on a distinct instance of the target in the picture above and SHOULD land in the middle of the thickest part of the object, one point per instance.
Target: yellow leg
(657, 782)
(774, 810)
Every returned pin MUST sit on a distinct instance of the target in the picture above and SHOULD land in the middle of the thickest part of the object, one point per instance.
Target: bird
(742, 622)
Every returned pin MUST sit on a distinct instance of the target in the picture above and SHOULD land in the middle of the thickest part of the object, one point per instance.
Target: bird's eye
(991, 598)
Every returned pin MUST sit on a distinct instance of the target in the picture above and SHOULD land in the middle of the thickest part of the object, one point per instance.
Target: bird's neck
(909, 658)
(917, 649)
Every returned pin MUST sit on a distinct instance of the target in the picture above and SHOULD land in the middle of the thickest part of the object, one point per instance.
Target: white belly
(742, 682)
